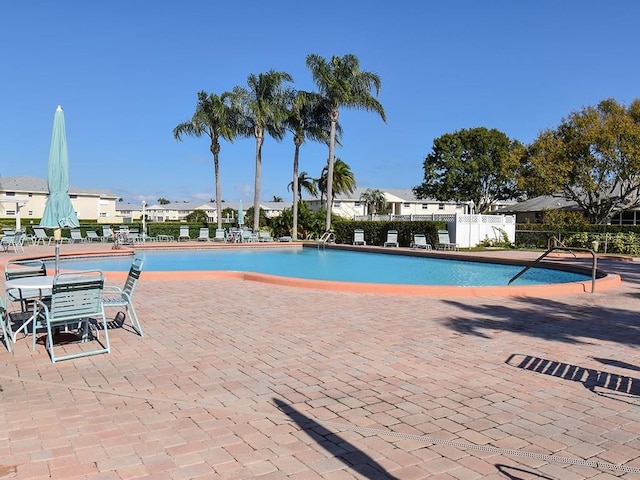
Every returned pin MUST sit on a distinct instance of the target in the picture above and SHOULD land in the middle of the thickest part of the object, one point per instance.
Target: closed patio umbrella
(58, 211)
(240, 215)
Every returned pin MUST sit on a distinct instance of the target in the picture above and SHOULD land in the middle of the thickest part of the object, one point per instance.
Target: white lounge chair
(264, 236)
(420, 241)
(358, 237)
(392, 239)
(204, 235)
(444, 243)
(14, 240)
(220, 235)
(114, 296)
(184, 233)
(41, 236)
(76, 236)
(92, 236)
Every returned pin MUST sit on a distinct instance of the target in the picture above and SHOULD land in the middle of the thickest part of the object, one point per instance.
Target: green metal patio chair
(123, 297)
(76, 302)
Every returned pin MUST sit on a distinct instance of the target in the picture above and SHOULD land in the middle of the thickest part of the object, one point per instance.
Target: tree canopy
(592, 158)
(472, 165)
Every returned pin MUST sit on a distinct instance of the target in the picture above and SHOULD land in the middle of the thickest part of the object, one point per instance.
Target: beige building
(23, 199)
(401, 203)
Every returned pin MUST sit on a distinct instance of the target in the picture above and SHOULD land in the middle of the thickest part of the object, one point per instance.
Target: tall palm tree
(343, 180)
(307, 118)
(213, 118)
(263, 107)
(374, 199)
(343, 84)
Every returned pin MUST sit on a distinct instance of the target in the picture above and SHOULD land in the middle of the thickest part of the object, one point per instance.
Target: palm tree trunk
(332, 149)
(215, 149)
(296, 192)
(258, 182)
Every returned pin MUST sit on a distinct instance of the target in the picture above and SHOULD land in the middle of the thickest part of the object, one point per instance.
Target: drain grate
(486, 448)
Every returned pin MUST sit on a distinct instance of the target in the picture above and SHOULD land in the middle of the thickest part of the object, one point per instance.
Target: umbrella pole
(57, 236)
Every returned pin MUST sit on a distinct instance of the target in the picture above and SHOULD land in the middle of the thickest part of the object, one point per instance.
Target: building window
(30, 212)
(425, 206)
(10, 213)
(336, 204)
(406, 205)
(73, 196)
(103, 214)
(356, 204)
(10, 194)
(441, 206)
(31, 194)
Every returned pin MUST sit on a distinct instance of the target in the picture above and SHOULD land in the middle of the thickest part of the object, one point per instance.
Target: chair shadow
(340, 448)
(505, 469)
(589, 377)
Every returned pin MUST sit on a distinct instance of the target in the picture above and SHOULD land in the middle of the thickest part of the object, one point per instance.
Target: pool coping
(603, 283)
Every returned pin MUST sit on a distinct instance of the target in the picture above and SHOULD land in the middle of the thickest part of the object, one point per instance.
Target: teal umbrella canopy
(240, 214)
(58, 211)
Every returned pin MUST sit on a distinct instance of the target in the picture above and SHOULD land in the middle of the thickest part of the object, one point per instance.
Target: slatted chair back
(92, 235)
(4, 322)
(41, 236)
(76, 300)
(123, 297)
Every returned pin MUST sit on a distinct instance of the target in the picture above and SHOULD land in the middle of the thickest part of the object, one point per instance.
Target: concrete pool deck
(237, 380)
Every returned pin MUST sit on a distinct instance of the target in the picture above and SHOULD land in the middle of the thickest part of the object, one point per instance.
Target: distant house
(533, 210)
(400, 202)
(23, 199)
(177, 211)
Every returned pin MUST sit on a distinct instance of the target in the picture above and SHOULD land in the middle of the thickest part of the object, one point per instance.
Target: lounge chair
(248, 236)
(392, 239)
(15, 240)
(264, 236)
(204, 235)
(92, 236)
(107, 233)
(444, 243)
(76, 302)
(41, 236)
(184, 233)
(123, 297)
(220, 236)
(358, 237)
(420, 241)
(76, 236)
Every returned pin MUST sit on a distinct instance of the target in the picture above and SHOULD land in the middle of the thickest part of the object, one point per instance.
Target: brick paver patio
(239, 380)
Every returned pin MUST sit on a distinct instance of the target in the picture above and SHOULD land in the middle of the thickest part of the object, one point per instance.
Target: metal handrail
(327, 237)
(567, 249)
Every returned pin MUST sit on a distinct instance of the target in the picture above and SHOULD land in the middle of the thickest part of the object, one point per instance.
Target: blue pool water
(334, 265)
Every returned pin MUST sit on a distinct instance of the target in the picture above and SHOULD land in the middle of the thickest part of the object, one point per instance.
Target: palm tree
(263, 107)
(306, 183)
(307, 118)
(213, 118)
(374, 199)
(343, 84)
(343, 180)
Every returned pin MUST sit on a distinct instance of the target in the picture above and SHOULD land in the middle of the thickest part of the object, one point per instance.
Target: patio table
(41, 284)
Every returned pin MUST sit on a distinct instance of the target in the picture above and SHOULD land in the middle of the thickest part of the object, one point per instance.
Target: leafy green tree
(375, 200)
(342, 83)
(343, 180)
(197, 216)
(477, 165)
(163, 201)
(592, 158)
(263, 104)
(214, 118)
(307, 118)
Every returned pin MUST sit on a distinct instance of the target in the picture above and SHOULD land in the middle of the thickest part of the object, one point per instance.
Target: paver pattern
(238, 380)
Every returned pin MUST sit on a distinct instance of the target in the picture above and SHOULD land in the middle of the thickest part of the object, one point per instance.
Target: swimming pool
(333, 265)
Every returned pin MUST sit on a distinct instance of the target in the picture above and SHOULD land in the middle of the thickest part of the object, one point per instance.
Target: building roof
(538, 204)
(26, 184)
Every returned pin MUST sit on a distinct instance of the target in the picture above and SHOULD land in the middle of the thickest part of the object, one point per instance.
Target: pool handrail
(594, 265)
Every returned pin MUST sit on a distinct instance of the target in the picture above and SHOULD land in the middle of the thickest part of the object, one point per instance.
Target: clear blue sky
(127, 72)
